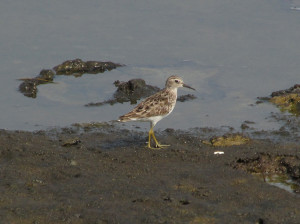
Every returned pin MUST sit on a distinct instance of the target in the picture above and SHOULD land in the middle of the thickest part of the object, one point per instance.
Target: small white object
(295, 8)
(218, 153)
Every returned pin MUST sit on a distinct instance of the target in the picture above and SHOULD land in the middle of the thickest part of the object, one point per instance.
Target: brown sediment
(111, 177)
(227, 140)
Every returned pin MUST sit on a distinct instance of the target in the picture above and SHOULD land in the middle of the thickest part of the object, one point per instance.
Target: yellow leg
(149, 140)
(151, 133)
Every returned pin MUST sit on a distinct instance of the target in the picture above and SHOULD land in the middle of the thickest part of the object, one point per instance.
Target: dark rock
(293, 89)
(130, 91)
(286, 100)
(29, 88)
(186, 97)
(75, 67)
(94, 67)
(70, 67)
(47, 75)
(133, 90)
(244, 126)
(79, 67)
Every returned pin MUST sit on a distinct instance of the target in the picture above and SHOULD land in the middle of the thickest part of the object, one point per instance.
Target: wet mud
(100, 173)
(227, 140)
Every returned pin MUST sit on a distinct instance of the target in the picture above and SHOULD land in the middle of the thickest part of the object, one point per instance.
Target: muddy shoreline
(108, 176)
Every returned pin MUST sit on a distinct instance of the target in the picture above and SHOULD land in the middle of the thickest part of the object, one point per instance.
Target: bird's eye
(177, 81)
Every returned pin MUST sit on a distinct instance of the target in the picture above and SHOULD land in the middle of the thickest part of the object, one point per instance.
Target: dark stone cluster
(75, 67)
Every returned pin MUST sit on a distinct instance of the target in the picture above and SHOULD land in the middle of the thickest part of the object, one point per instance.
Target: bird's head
(176, 82)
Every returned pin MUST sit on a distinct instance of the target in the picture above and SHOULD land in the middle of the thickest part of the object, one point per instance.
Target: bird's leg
(151, 132)
(149, 139)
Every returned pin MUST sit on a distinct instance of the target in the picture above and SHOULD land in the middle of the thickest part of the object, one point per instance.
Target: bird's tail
(123, 118)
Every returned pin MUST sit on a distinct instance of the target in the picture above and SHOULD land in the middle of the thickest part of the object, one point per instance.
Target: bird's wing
(155, 105)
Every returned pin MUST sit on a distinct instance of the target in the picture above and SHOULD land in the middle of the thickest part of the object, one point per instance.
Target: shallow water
(283, 182)
(230, 51)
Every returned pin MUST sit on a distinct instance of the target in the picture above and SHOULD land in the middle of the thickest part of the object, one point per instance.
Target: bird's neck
(173, 92)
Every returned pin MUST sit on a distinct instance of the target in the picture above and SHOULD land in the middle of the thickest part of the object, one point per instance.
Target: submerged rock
(79, 67)
(70, 67)
(287, 100)
(29, 86)
(134, 90)
(186, 97)
(75, 67)
(130, 91)
(46, 75)
(227, 140)
(95, 67)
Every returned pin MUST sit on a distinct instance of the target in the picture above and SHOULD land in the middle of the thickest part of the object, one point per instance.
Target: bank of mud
(107, 175)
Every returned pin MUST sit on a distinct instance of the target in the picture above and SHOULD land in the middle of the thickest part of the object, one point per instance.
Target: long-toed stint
(156, 107)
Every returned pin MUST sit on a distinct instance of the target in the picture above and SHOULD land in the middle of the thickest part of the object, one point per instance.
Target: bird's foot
(157, 146)
(161, 146)
(152, 148)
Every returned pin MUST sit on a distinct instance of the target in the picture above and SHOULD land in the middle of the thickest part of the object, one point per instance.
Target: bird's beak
(184, 85)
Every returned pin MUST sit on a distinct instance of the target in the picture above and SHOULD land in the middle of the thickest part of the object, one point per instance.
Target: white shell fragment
(218, 152)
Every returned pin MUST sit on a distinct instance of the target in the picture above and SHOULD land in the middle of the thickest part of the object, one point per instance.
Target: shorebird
(156, 107)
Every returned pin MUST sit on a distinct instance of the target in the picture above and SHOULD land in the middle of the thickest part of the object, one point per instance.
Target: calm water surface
(230, 51)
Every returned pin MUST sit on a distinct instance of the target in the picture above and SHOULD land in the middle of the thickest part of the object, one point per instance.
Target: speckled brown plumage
(158, 104)
(156, 107)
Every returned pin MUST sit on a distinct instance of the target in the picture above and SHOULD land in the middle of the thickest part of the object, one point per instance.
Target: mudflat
(107, 175)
